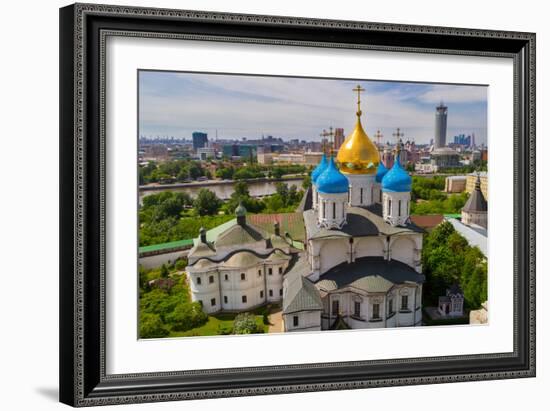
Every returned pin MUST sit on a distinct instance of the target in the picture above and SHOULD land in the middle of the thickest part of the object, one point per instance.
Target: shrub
(186, 316)
(245, 323)
(151, 326)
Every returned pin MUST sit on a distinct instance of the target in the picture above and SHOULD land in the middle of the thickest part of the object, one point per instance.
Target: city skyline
(175, 104)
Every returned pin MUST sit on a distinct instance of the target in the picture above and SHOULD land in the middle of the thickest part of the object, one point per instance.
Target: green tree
(186, 316)
(164, 271)
(206, 203)
(151, 326)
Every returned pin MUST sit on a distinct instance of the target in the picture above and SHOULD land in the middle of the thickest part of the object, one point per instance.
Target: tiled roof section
(361, 222)
(476, 202)
(371, 283)
(212, 234)
(301, 293)
(427, 221)
(201, 250)
(291, 223)
(240, 235)
(242, 259)
(372, 274)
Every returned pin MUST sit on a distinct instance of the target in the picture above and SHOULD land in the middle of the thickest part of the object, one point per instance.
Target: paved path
(276, 321)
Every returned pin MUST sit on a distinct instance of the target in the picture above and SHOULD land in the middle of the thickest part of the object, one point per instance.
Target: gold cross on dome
(378, 135)
(398, 135)
(330, 135)
(359, 90)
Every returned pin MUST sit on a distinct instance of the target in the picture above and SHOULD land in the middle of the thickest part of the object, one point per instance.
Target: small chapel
(360, 266)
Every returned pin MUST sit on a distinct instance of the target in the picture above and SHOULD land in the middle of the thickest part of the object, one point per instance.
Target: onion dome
(332, 181)
(397, 179)
(381, 172)
(240, 211)
(358, 154)
(319, 169)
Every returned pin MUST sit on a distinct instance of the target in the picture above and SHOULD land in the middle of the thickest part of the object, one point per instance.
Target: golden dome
(358, 154)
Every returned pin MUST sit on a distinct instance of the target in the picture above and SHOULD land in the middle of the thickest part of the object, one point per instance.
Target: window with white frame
(357, 309)
(404, 302)
(376, 311)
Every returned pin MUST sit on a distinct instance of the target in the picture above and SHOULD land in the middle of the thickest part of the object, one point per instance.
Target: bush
(181, 264)
(151, 326)
(245, 323)
(186, 316)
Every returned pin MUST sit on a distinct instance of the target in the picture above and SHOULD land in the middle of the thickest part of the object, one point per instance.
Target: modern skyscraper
(440, 138)
(199, 140)
(338, 137)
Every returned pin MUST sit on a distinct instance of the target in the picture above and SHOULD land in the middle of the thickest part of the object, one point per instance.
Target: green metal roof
(212, 234)
(165, 246)
(452, 215)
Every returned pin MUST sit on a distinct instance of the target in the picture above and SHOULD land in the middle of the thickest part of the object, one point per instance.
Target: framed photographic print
(261, 204)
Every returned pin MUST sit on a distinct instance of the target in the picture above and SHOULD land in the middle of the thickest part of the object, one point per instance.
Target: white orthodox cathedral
(360, 265)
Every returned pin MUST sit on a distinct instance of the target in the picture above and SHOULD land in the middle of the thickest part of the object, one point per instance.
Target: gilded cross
(378, 135)
(359, 90)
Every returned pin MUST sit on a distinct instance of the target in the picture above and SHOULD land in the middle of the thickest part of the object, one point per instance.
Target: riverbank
(209, 183)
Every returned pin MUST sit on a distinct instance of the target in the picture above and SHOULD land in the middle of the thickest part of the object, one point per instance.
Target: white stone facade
(233, 286)
(396, 207)
(361, 189)
(399, 307)
(474, 218)
(332, 210)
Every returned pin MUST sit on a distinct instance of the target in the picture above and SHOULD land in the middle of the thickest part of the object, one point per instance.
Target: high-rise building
(440, 138)
(199, 140)
(338, 138)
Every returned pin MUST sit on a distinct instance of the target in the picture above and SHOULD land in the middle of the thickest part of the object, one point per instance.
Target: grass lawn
(217, 324)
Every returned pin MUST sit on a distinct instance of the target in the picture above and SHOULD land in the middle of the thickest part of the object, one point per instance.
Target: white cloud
(454, 94)
(249, 106)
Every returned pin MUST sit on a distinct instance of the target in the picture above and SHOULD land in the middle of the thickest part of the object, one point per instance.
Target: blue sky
(176, 104)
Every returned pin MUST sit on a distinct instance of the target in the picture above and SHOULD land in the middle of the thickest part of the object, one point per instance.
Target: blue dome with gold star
(332, 181)
(319, 169)
(397, 179)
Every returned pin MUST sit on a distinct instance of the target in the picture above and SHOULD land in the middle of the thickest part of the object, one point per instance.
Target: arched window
(399, 212)
(389, 207)
(361, 196)
(334, 211)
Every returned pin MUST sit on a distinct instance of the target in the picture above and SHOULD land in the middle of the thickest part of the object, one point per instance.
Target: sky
(177, 103)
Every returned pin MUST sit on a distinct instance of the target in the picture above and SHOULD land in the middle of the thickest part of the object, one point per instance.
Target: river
(222, 189)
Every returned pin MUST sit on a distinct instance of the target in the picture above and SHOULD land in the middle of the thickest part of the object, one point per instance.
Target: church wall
(234, 288)
(205, 293)
(333, 252)
(368, 247)
(406, 249)
(275, 281)
(307, 321)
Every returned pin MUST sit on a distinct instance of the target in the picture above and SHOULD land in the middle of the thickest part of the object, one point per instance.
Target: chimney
(276, 228)
(202, 233)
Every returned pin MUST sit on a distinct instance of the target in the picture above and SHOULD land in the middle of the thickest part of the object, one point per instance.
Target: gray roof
(301, 293)
(372, 274)
(239, 235)
(361, 222)
(476, 202)
(307, 201)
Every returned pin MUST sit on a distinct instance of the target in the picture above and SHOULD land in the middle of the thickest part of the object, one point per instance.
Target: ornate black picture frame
(83, 30)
